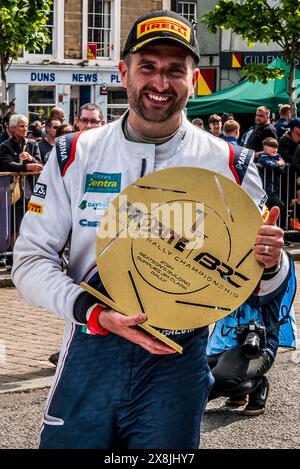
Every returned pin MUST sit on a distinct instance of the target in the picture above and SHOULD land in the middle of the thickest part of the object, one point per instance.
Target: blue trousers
(111, 393)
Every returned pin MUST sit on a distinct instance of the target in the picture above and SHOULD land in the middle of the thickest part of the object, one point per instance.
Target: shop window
(188, 10)
(51, 22)
(100, 26)
(40, 101)
(117, 103)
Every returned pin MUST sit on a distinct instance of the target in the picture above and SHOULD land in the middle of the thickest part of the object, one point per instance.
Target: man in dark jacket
(282, 125)
(289, 142)
(289, 148)
(261, 130)
(17, 155)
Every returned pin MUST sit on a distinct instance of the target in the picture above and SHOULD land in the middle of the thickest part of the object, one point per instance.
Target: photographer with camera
(243, 345)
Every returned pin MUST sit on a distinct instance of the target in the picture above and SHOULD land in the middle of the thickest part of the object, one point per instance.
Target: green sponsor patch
(103, 182)
(83, 205)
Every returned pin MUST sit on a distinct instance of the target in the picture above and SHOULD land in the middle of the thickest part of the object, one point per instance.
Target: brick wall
(130, 11)
(73, 29)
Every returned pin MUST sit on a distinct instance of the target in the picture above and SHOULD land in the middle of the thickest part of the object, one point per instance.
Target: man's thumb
(273, 216)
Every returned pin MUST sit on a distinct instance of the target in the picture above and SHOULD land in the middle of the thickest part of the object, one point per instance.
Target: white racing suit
(109, 392)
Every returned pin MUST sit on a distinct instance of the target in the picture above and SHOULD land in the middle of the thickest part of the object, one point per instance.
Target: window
(117, 103)
(100, 26)
(40, 100)
(49, 48)
(188, 10)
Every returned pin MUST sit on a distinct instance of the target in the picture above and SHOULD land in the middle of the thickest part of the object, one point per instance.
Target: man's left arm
(269, 240)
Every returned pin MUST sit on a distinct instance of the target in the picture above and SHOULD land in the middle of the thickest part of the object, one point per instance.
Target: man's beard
(135, 99)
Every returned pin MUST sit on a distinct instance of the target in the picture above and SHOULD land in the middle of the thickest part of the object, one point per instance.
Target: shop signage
(237, 59)
(65, 77)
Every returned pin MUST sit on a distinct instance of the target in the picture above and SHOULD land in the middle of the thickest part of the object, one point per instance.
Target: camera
(252, 337)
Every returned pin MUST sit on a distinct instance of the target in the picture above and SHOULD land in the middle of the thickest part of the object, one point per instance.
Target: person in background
(226, 117)
(243, 346)
(282, 125)
(274, 165)
(35, 132)
(198, 122)
(47, 143)
(231, 131)
(260, 131)
(57, 113)
(215, 125)
(90, 116)
(289, 148)
(6, 132)
(64, 129)
(19, 154)
(290, 140)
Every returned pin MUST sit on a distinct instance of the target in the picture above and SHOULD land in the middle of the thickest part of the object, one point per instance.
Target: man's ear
(103, 122)
(123, 70)
(195, 79)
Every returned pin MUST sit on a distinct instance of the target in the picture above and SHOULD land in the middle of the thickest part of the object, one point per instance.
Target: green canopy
(245, 97)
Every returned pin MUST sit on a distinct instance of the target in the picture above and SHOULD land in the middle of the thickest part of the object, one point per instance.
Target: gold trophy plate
(178, 245)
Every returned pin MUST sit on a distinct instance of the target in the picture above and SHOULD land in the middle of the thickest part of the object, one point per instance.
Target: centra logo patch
(103, 182)
(38, 209)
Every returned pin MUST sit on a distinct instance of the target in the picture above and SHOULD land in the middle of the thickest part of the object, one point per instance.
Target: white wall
(20, 92)
(233, 42)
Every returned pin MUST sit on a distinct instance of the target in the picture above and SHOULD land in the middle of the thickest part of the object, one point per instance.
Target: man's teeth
(157, 98)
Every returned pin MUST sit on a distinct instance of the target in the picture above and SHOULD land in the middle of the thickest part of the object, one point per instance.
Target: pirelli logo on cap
(38, 209)
(164, 23)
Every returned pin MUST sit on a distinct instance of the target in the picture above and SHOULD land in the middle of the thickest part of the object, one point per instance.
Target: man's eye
(147, 67)
(176, 71)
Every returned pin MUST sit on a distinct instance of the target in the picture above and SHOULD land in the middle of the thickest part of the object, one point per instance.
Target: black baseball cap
(162, 25)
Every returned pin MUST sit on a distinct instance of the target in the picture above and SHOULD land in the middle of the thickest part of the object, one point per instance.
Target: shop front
(36, 91)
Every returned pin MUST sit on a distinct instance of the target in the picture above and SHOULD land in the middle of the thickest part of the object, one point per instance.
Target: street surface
(28, 336)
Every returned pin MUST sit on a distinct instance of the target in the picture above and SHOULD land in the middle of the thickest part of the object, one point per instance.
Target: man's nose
(161, 82)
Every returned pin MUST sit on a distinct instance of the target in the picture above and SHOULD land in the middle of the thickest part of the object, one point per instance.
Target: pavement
(28, 336)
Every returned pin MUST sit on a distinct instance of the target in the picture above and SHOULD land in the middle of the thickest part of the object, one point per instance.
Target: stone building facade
(81, 63)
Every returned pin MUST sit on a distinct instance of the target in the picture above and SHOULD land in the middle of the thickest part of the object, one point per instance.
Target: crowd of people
(115, 385)
(25, 148)
(277, 151)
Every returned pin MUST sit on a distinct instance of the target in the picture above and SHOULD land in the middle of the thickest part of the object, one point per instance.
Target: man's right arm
(37, 268)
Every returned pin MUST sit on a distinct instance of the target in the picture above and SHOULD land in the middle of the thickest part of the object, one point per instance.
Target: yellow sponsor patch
(163, 23)
(36, 208)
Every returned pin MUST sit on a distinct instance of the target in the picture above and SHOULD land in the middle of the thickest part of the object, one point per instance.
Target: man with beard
(262, 130)
(119, 387)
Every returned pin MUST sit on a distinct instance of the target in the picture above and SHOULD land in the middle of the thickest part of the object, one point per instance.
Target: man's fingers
(124, 326)
(147, 342)
(122, 320)
(273, 216)
(273, 241)
(270, 234)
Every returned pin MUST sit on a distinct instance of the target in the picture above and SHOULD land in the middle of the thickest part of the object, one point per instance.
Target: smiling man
(119, 387)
